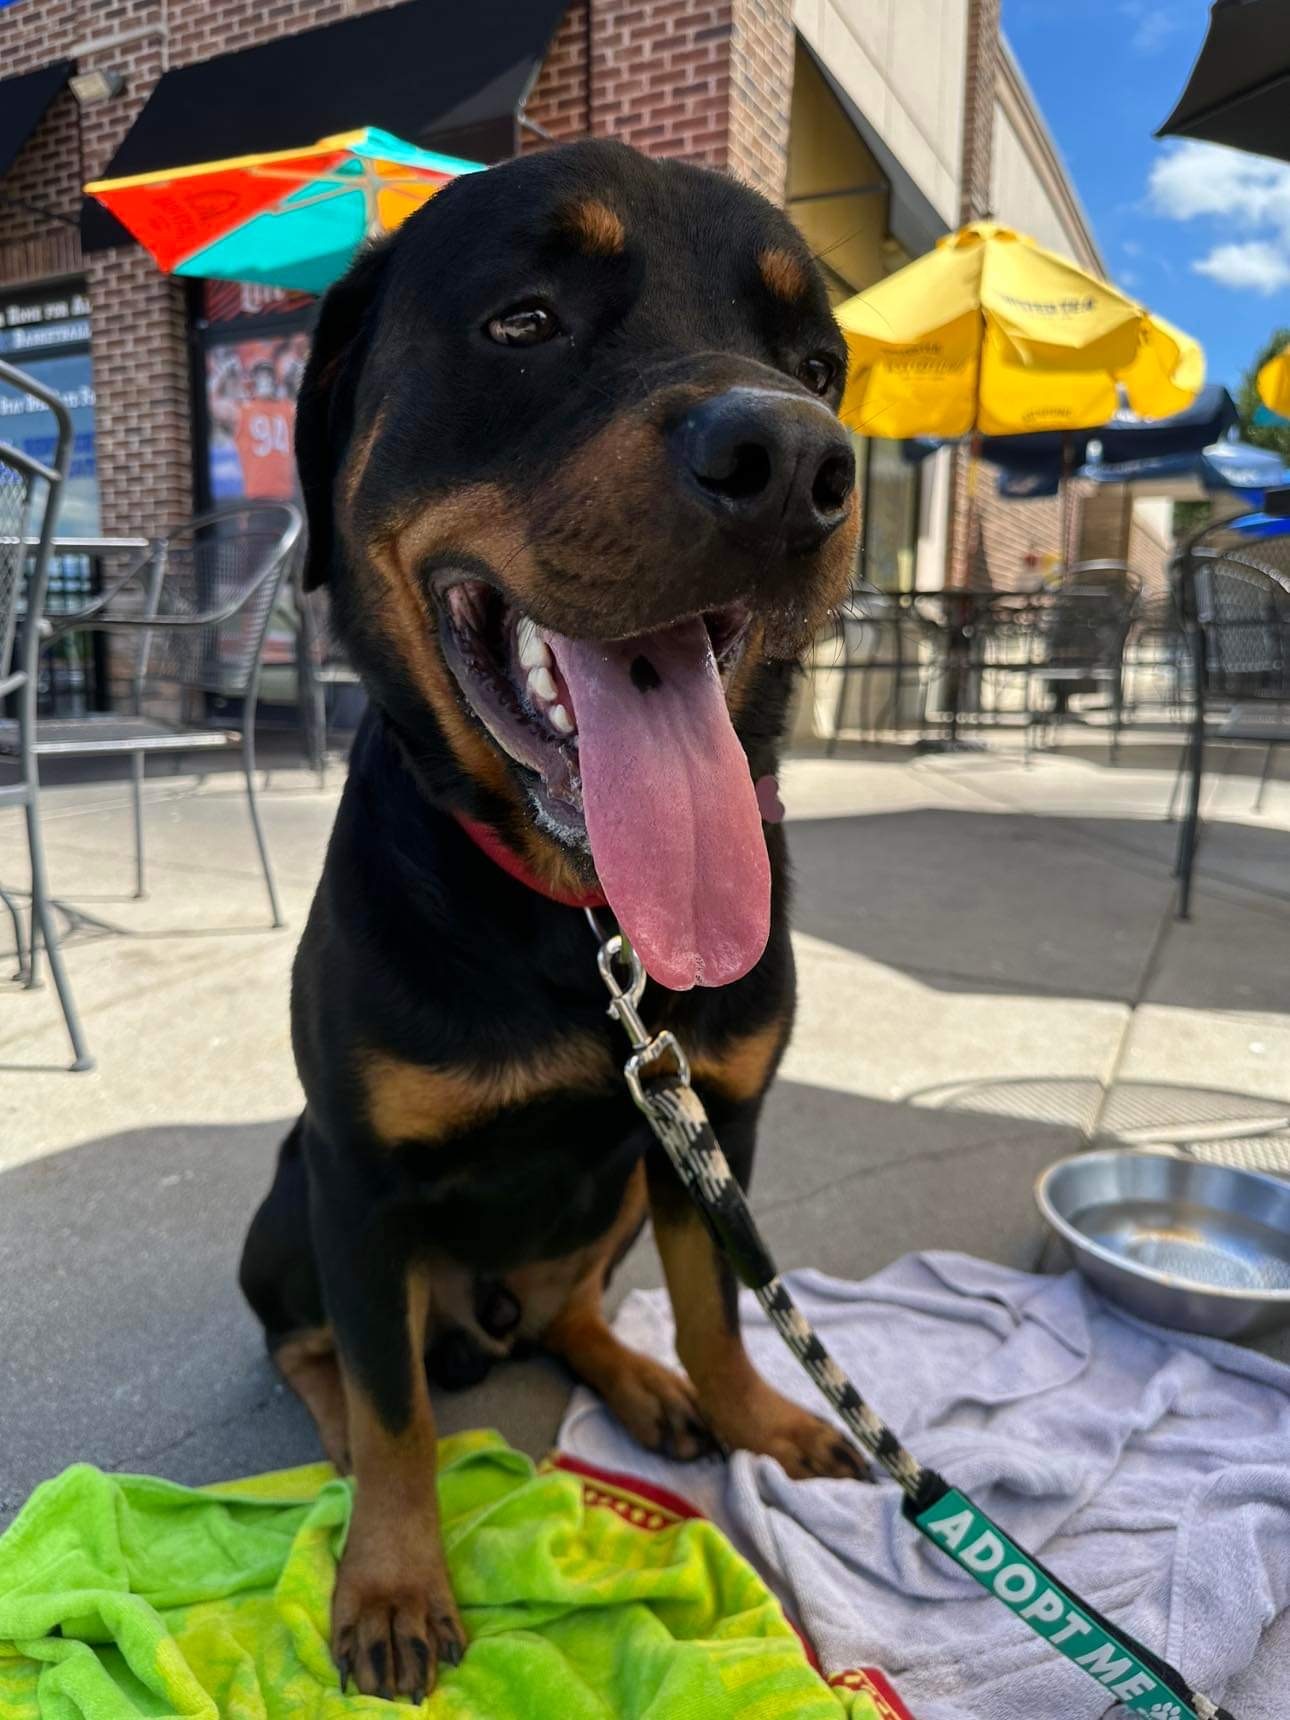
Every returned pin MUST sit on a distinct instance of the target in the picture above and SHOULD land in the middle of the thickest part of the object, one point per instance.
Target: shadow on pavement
(124, 1340)
(970, 901)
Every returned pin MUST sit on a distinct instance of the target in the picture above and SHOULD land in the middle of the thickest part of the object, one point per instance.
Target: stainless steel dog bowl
(1199, 1246)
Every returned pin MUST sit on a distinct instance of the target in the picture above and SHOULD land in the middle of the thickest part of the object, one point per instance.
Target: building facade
(880, 123)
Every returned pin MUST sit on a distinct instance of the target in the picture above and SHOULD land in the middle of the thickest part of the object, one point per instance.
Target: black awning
(1239, 89)
(447, 77)
(22, 106)
(912, 219)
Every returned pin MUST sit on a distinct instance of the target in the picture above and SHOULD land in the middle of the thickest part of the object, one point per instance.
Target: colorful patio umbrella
(991, 333)
(293, 218)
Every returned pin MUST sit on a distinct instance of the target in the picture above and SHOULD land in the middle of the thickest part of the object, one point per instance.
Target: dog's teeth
(560, 720)
(533, 653)
(542, 685)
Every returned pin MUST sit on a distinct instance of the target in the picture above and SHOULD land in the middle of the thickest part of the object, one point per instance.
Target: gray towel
(1149, 1469)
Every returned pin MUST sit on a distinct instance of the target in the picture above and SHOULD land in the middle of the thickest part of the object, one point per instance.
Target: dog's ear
(325, 409)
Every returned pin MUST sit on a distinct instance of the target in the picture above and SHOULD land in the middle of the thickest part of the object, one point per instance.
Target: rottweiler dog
(576, 484)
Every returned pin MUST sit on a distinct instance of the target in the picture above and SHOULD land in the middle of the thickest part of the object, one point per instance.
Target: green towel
(125, 1596)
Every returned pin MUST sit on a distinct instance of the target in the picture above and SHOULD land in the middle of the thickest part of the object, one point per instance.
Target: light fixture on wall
(98, 86)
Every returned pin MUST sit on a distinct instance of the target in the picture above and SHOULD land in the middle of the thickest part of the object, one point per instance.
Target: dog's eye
(526, 325)
(817, 372)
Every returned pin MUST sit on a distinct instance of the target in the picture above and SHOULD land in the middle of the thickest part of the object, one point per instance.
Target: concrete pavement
(990, 977)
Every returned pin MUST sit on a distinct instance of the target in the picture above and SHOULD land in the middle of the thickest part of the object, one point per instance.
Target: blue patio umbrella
(1047, 458)
(1032, 466)
(1222, 466)
(1261, 525)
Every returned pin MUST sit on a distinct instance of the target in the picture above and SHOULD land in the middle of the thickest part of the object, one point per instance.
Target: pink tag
(768, 801)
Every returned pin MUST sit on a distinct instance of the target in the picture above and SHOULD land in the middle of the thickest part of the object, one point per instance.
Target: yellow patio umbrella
(1273, 383)
(989, 333)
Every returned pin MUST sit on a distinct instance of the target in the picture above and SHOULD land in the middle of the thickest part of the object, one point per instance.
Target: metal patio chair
(1234, 599)
(1157, 665)
(323, 671)
(1079, 643)
(196, 610)
(994, 660)
(31, 493)
(878, 638)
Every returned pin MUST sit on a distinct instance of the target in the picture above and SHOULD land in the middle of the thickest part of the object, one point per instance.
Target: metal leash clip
(647, 1049)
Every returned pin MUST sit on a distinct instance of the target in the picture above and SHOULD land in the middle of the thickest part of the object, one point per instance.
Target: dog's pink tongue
(675, 829)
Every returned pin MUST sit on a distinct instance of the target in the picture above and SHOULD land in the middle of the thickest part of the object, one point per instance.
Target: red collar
(485, 837)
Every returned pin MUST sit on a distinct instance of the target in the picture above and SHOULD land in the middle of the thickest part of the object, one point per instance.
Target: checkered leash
(658, 1076)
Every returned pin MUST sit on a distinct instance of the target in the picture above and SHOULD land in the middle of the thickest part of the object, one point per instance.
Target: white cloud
(1131, 247)
(1152, 25)
(1204, 179)
(1248, 194)
(1255, 266)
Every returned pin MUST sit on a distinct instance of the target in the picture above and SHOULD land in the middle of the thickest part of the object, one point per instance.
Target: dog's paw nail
(847, 1455)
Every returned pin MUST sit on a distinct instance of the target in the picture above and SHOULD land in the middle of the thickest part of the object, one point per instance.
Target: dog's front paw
(658, 1407)
(393, 1626)
(760, 1419)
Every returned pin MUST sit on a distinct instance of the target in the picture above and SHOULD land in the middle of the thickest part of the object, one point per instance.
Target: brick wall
(705, 83)
(558, 101)
(1107, 515)
(761, 82)
(1014, 537)
(982, 53)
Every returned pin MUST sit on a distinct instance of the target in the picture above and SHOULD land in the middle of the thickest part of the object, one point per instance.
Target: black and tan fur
(469, 1168)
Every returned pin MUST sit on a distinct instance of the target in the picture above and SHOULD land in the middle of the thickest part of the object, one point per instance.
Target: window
(46, 332)
(888, 485)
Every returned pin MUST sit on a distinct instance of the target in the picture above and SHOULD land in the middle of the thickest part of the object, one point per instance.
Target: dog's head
(574, 475)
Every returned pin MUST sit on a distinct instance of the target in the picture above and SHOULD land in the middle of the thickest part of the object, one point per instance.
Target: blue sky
(1198, 233)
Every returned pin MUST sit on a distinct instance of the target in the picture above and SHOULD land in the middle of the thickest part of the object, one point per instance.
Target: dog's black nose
(770, 464)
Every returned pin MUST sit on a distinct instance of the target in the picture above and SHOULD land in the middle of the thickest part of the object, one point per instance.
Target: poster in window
(251, 389)
(47, 334)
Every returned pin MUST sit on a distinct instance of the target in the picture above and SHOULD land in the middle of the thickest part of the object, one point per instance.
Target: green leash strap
(1132, 1674)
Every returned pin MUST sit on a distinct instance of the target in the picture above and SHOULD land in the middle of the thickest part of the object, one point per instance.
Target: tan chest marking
(742, 1067)
(417, 1102)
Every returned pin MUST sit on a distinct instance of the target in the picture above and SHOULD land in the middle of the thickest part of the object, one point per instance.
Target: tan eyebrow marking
(782, 273)
(595, 227)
